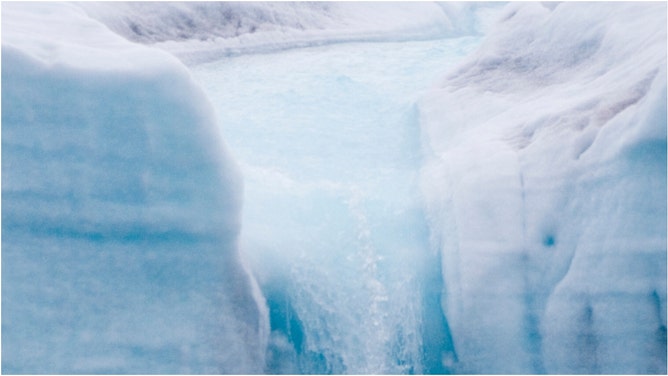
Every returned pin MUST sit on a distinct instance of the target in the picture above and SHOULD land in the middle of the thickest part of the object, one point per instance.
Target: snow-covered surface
(120, 211)
(205, 31)
(545, 183)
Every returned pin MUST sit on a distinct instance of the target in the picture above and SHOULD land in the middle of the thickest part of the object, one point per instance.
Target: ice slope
(120, 211)
(205, 31)
(545, 185)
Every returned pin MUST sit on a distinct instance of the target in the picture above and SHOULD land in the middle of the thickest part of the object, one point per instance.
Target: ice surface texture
(545, 183)
(207, 31)
(120, 209)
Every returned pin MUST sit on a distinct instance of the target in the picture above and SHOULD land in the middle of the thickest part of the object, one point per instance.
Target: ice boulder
(545, 183)
(120, 210)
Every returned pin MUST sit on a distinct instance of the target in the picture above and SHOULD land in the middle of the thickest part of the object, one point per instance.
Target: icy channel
(329, 145)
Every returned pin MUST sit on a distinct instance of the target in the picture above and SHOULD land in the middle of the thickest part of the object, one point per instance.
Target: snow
(120, 212)
(545, 186)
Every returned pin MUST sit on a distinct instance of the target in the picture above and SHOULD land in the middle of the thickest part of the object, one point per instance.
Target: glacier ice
(545, 186)
(535, 241)
(120, 211)
(205, 31)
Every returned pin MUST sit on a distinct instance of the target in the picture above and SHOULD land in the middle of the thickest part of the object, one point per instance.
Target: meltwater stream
(328, 142)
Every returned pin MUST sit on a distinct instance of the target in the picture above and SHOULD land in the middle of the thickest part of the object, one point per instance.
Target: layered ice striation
(545, 188)
(121, 209)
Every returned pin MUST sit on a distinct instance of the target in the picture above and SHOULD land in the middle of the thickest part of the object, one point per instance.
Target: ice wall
(545, 182)
(203, 31)
(120, 209)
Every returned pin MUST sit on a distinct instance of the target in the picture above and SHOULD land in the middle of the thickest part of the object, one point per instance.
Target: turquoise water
(328, 141)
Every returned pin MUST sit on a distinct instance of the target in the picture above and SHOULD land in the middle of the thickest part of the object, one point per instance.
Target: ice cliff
(120, 209)
(545, 182)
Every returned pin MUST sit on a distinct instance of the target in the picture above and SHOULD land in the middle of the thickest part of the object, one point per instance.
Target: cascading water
(333, 227)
